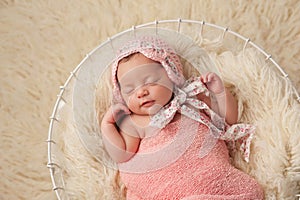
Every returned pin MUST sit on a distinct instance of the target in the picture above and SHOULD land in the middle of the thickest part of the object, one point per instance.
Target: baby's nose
(142, 91)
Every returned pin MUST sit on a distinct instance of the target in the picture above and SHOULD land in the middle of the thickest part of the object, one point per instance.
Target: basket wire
(56, 170)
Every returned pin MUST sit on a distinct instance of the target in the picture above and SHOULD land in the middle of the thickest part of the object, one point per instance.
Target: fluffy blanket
(42, 41)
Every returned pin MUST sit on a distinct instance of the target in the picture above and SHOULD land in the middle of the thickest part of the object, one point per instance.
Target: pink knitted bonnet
(155, 49)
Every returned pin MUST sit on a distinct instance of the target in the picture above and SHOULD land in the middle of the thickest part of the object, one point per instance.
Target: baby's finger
(204, 77)
(119, 110)
(210, 77)
(124, 108)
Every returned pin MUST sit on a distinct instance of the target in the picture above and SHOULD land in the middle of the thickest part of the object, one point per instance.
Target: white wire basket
(106, 51)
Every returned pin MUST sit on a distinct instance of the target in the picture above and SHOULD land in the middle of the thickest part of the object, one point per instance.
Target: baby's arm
(121, 146)
(223, 101)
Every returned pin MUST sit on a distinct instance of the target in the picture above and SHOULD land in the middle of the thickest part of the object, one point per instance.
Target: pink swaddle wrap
(187, 159)
(189, 177)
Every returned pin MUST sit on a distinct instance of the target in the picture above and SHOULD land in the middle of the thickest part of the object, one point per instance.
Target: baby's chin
(154, 109)
(150, 111)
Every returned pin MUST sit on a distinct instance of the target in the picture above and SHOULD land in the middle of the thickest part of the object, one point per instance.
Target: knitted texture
(189, 176)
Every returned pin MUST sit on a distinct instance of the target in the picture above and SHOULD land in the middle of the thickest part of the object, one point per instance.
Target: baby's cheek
(166, 84)
(125, 98)
(129, 101)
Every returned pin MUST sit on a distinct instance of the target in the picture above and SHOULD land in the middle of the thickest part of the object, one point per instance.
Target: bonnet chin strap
(186, 102)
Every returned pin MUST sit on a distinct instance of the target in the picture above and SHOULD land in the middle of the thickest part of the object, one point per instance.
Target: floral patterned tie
(187, 104)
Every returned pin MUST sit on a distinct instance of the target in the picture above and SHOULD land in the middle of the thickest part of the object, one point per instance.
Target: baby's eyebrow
(125, 82)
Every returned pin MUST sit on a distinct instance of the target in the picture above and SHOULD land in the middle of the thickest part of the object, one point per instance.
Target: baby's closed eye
(127, 90)
(151, 80)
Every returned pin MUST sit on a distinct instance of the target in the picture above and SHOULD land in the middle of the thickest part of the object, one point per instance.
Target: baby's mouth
(148, 103)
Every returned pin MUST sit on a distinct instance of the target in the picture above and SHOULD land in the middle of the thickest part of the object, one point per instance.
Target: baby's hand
(114, 113)
(213, 82)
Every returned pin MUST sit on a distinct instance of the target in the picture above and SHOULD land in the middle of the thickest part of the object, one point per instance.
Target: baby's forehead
(133, 61)
(141, 71)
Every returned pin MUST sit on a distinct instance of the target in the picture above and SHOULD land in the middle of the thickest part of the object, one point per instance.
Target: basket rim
(52, 166)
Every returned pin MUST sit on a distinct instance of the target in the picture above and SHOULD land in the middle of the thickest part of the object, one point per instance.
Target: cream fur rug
(42, 41)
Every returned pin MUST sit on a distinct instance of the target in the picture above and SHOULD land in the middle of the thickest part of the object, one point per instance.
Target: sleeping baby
(170, 136)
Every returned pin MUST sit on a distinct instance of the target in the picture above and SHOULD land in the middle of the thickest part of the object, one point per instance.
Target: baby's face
(145, 85)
